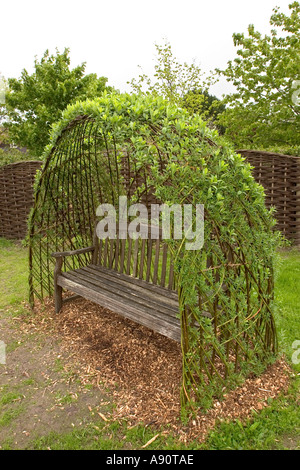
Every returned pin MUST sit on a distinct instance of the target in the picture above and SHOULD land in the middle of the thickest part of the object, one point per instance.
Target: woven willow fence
(280, 177)
(278, 174)
(16, 197)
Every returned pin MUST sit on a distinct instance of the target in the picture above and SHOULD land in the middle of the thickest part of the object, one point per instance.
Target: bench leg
(57, 288)
(58, 298)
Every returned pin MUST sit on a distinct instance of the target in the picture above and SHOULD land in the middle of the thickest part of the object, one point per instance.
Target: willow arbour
(149, 151)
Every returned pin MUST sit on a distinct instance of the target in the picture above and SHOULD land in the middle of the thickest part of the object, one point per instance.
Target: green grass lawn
(287, 293)
(13, 273)
(275, 427)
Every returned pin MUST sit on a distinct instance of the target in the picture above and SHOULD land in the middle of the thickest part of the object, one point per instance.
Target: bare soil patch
(42, 387)
(142, 369)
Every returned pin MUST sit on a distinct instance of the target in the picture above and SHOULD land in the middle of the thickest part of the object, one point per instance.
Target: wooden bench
(133, 278)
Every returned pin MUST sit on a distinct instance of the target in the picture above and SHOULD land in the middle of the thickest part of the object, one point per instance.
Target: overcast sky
(115, 36)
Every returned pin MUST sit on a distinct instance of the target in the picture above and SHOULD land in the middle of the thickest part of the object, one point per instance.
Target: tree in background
(181, 84)
(3, 111)
(206, 105)
(264, 112)
(34, 102)
(8, 152)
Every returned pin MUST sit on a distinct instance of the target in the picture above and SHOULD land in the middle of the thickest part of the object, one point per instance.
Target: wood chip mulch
(142, 369)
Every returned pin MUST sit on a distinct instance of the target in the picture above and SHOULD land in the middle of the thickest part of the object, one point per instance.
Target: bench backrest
(147, 259)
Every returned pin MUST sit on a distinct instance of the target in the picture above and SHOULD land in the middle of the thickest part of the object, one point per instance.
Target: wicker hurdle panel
(280, 176)
(16, 197)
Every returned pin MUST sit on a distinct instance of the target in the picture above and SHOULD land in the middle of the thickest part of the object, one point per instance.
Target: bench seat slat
(124, 290)
(114, 282)
(140, 314)
(139, 282)
(117, 295)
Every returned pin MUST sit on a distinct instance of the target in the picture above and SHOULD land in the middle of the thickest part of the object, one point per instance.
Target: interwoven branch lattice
(143, 148)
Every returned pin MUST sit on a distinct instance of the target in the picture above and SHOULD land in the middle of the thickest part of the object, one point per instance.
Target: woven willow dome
(149, 151)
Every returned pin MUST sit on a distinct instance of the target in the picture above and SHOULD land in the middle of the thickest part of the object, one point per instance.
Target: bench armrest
(61, 254)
